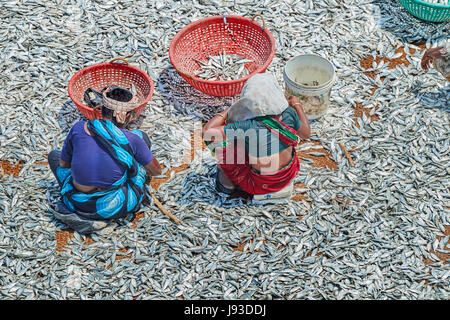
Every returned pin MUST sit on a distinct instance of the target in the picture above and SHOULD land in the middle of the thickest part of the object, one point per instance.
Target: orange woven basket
(101, 75)
(214, 35)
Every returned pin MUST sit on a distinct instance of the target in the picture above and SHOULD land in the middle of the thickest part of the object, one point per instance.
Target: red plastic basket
(209, 36)
(99, 76)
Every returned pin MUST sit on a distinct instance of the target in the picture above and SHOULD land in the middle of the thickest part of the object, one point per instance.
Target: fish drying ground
(370, 215)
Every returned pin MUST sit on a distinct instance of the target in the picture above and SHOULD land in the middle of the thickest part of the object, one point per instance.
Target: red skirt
(235, 165)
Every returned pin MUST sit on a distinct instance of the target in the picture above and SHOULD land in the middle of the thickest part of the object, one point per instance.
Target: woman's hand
(304, 131)
(213, 129)
(153, 168)
(293, 100)
(294, 103)
(429, 56)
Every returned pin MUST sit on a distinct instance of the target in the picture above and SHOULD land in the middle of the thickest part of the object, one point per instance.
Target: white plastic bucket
(310, 77)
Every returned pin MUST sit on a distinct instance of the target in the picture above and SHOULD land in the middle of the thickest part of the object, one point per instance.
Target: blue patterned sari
(122, 197)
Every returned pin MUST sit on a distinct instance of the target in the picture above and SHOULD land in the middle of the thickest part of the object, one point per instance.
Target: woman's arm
(213, 129)
(153, 168)
(64, 164)
(304, 131)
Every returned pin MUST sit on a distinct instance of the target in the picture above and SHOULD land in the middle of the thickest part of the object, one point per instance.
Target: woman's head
(118, 104)
(260, 96)
(108, 114)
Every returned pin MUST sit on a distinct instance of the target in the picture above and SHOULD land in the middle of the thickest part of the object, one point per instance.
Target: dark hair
(108, 114)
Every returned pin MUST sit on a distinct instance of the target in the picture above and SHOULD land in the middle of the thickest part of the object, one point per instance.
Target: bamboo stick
(347, 154)
(165, 211)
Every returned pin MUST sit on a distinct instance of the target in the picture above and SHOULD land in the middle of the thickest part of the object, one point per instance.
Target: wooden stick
(347, 154)
(165, 211)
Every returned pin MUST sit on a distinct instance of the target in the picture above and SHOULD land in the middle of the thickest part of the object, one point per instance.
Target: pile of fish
(223, 67)
(375, 230)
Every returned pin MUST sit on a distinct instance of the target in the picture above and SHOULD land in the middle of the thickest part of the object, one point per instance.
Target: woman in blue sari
(102, 170)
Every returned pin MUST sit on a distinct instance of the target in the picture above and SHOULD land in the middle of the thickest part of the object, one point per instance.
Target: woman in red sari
(258, 154)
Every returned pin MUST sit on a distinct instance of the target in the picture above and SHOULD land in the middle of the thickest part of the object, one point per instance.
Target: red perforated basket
(101, 75)
(209, 36)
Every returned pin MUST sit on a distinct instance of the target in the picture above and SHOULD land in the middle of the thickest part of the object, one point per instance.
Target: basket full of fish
(428, 10)
(97, 78)
(218, 54)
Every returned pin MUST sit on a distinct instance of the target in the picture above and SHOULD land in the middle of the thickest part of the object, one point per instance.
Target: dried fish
(363, 232)
(223, 67)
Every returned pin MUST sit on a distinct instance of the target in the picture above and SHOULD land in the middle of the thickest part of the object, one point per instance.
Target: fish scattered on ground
(372, 244)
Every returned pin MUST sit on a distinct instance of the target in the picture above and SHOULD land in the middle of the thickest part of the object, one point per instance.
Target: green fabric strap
(266, 120)
(273, 124)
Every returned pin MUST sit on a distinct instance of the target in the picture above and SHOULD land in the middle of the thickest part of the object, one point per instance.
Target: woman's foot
(223, 186)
